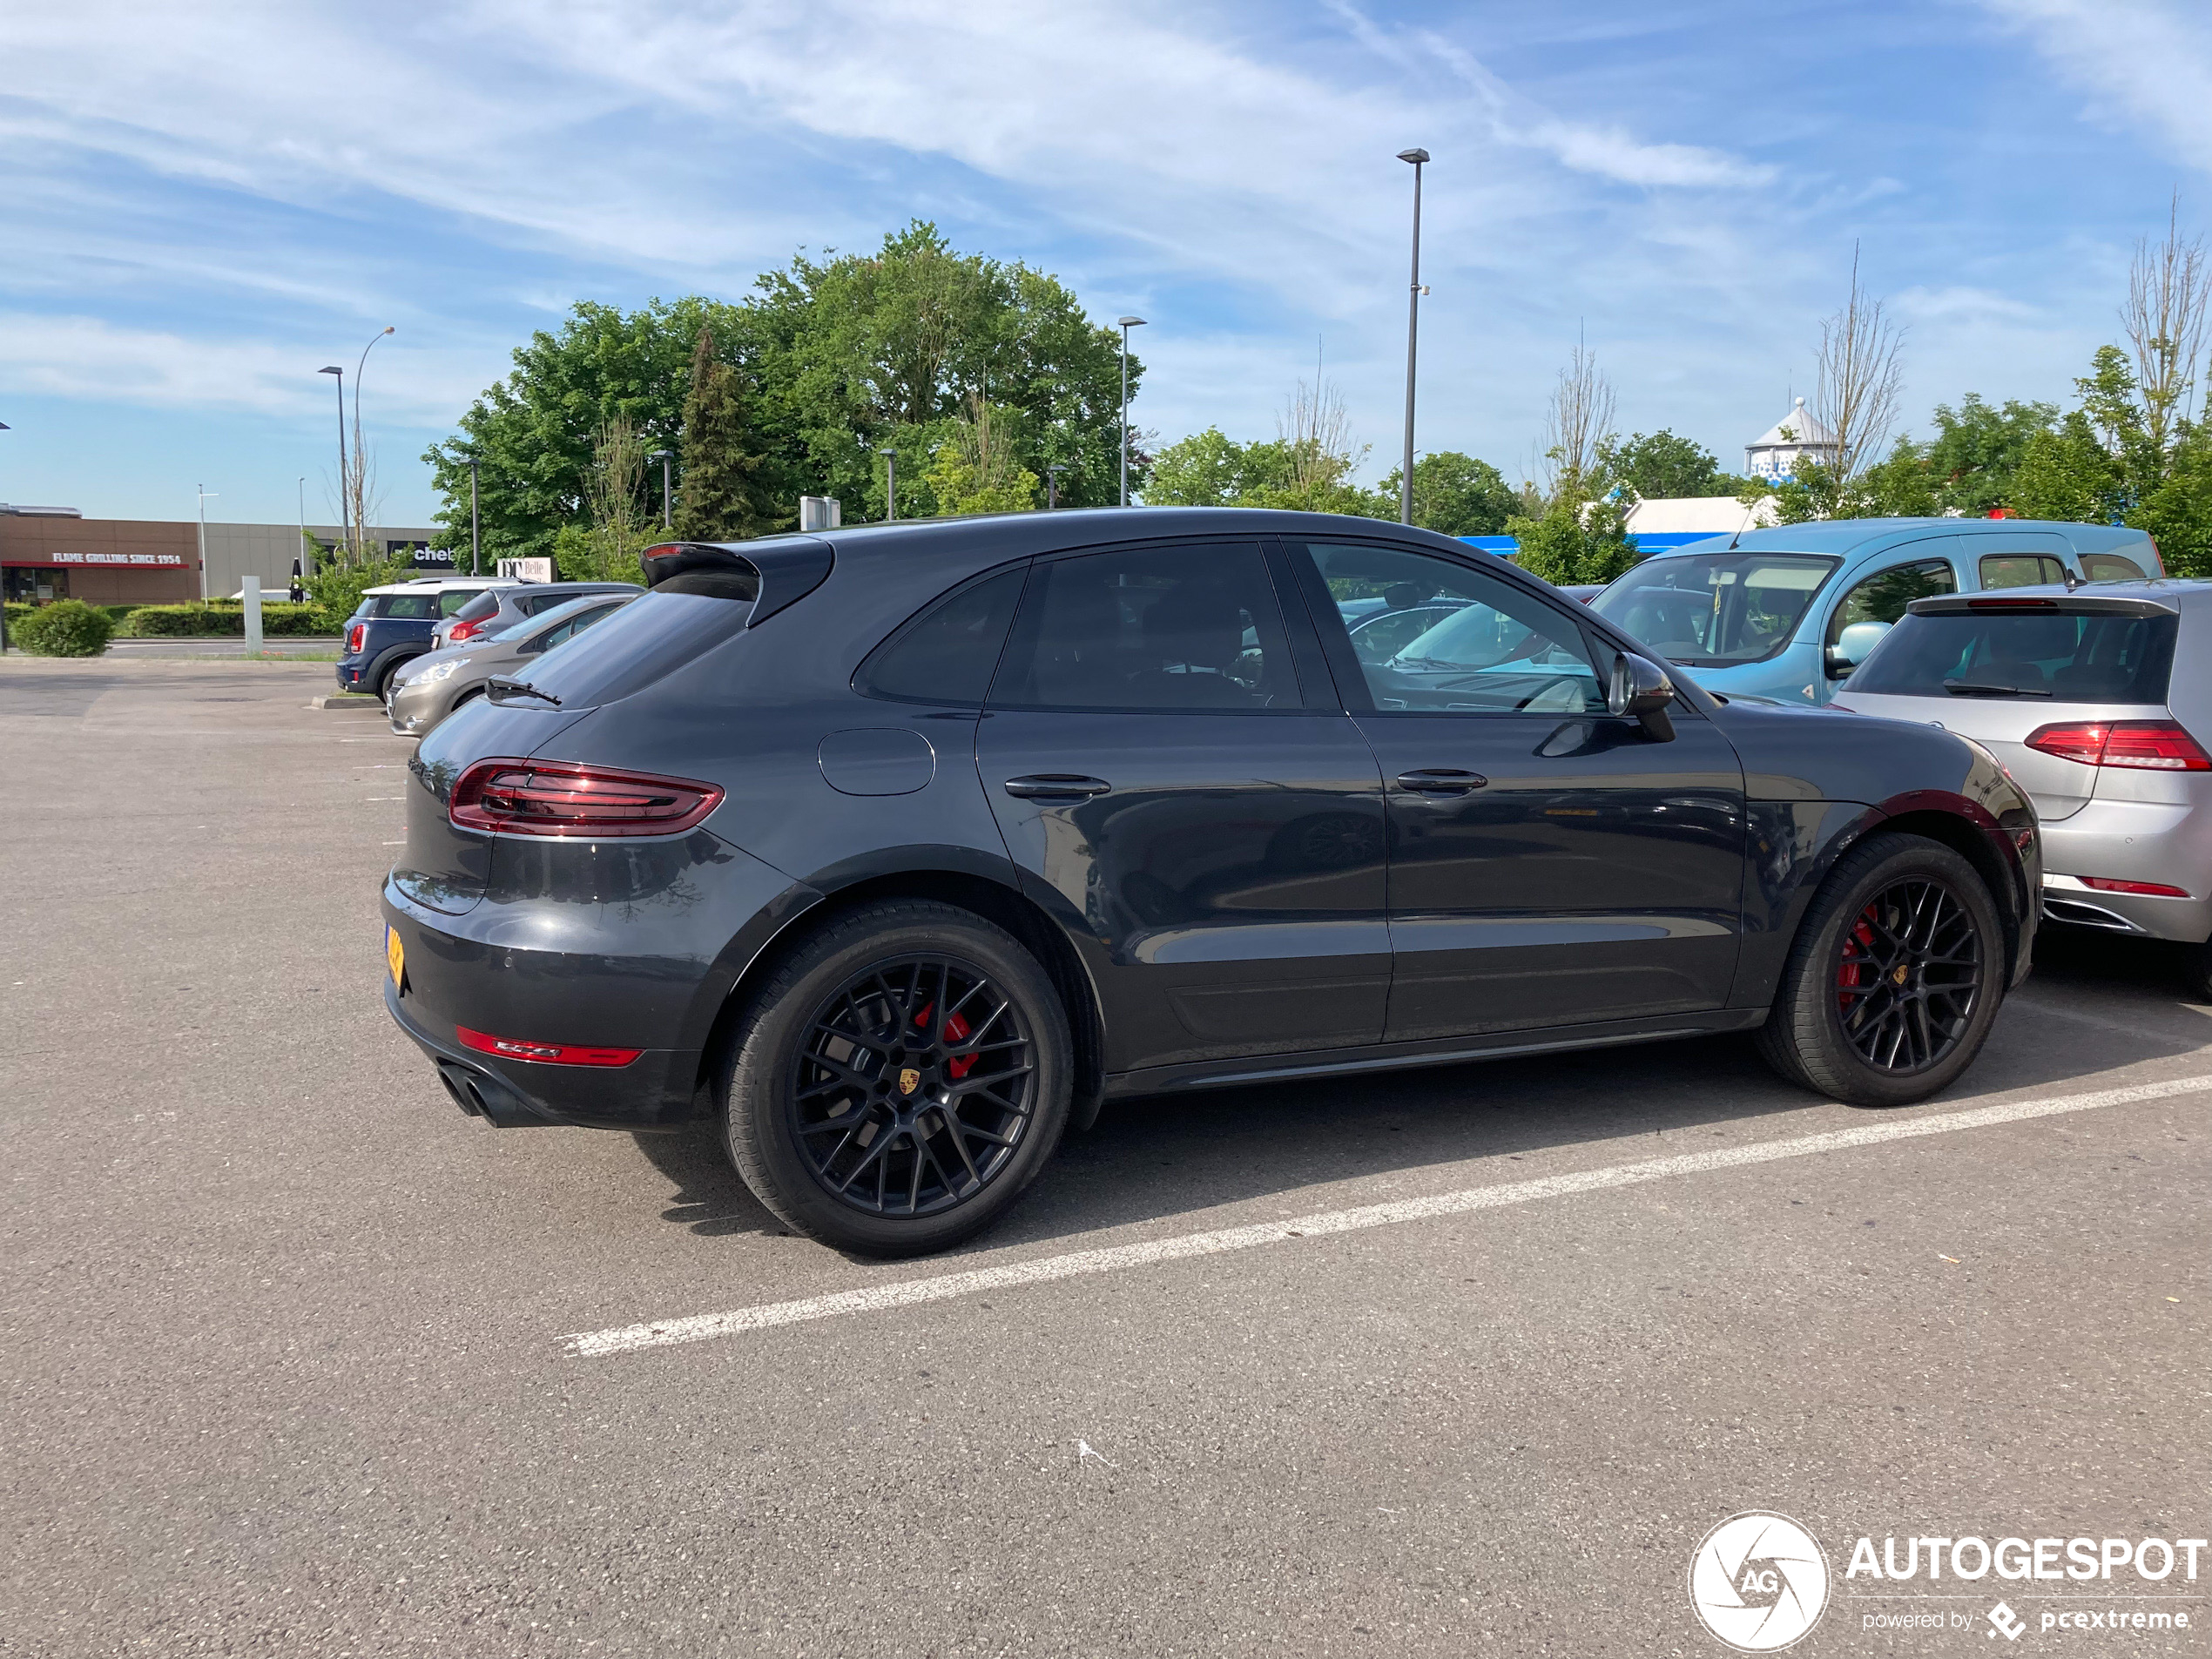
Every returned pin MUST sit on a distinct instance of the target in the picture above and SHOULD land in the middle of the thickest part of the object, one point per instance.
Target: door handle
(1441, 780)
(1055, 785)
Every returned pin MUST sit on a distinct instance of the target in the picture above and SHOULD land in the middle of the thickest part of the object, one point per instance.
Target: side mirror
(1641, 691)
(1853, 646)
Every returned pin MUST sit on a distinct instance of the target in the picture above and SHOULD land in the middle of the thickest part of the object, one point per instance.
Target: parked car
(2093, 701)
(393, 626)
(1788, 613)
(496, 610)
(895, 850)
(430, 687)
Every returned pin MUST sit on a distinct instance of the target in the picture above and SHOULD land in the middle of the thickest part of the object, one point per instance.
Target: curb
(348, 700)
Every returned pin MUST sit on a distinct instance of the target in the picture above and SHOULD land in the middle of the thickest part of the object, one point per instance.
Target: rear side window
(452, 599)
(2021, 571)
(405, 607)
(946, 655)
(478, 608)
(2041, 658)
(2110, 566)
(1194, 628)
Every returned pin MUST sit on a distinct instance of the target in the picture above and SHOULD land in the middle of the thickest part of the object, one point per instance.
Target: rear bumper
(2167, 842)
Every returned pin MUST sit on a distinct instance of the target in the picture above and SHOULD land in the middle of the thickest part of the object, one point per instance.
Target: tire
(1839, 1026)
(386, 676)
(834, 1053)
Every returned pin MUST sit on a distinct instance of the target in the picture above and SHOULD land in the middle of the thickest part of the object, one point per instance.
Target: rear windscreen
(478, 608)
(2063, 659)
(647, 638)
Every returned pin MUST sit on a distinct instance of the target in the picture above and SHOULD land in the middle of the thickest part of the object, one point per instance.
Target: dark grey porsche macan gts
(894, 851)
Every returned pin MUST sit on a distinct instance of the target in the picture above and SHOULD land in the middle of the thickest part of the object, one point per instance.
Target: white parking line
(591, 1345)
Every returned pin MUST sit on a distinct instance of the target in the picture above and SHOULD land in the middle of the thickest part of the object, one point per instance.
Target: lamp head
(332, 369)
(1416, 157)
(662, 455)
(1132, 323)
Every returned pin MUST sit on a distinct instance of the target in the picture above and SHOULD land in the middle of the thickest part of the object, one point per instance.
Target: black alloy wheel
(1895, 976)
(1909, 974)
(900, 1076)
(915, 1085)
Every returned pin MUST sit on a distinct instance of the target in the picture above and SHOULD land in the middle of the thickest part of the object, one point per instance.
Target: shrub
(66, 628)
(224, 621)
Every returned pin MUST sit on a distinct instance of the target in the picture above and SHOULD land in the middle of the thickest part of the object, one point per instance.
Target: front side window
(1715, 610)
(1488, 648)
(1882, 597)
(946, 655)
(1192, 629)
(2021, 571)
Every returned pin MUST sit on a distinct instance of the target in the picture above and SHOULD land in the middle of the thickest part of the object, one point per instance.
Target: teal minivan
(1788, 613)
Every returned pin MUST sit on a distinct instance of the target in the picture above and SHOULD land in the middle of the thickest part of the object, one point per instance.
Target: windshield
(2101, 658)
(1710, 610)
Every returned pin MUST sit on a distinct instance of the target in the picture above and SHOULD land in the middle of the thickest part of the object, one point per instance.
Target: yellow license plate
(395, 954)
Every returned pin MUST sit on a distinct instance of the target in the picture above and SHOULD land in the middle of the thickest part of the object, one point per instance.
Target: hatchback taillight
(356, 636)
(588, 803)
(462, 630)
(2141, 746)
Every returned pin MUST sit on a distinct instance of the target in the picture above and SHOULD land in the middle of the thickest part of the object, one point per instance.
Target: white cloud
(2148, 60)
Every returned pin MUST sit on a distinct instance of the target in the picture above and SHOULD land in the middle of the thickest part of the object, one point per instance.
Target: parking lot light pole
(204, 493)
(890, 485)
(667, 503)
(1413, 334)
(1127, 324)
(360, 440)
(475, 535)
(4, 593)
(344, 500)
(303, 564)
(1052, 484)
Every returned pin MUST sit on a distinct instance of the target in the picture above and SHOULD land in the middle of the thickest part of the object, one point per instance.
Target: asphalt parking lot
(299, 1359)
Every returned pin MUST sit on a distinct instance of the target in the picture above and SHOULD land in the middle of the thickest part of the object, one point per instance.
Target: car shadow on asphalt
(1165, 1156)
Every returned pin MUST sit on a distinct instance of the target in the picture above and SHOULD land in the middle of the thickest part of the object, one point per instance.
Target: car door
(2010, 558)
(1550, 864)
(1214, 844)
(1873, 602)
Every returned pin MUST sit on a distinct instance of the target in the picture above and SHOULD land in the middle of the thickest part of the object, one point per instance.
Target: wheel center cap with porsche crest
(909, 1079)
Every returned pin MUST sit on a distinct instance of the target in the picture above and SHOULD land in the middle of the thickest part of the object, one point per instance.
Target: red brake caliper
(1847, 976)
(956, 1029)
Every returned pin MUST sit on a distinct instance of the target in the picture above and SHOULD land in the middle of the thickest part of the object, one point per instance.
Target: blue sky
(201, 205)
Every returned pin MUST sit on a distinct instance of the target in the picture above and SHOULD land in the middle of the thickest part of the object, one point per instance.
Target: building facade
(1797, 435)
(50, 553)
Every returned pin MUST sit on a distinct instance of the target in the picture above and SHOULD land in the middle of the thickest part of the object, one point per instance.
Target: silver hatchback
(432, 686)
(2093, 700)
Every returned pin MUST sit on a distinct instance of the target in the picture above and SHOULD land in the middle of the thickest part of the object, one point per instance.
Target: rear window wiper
(1975, 688)
(501, 690)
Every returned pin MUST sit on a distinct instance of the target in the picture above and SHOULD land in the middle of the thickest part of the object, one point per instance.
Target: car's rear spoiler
(2003, 604)
(773, 573)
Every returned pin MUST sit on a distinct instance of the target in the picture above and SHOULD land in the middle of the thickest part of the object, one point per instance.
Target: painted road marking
(1082, 1264)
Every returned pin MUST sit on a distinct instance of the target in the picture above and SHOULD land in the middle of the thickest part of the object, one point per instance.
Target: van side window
(2021, 571)
(2110, 566)
(1883, 597)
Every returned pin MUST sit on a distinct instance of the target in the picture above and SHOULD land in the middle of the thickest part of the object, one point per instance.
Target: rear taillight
(587, 803)
(463, 630)
(544, 1053)
(2153, 889)
(2140, 745)
(356, 636)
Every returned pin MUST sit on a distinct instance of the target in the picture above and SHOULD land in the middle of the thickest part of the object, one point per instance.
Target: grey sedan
(432, 686)
(2098, 701)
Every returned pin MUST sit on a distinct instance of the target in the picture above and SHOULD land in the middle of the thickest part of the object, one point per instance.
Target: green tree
(2067, 474)
(1454, 495)
(1661, 467)
(976, 469)
(1576, 541)
(532, 433)
(1977, 450)
(868, 352)
(1205, 470)
(724, 470)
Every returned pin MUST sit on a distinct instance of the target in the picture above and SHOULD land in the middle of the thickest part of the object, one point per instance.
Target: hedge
(221, 621)
(66, 628)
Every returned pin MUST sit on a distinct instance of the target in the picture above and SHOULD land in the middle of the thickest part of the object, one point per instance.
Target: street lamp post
(345, 497)
(1413, 334)
(1127, 323)
(890, 485)
(4, 593)
(1052, 484)
(475, 528)
(361, 440)
(667, 506)
(204, 494)
(302, 564)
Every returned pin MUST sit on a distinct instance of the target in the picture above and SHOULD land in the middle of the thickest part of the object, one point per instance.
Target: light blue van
(1788, 613)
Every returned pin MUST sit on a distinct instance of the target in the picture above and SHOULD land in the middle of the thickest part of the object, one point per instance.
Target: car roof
(1842, 537)
(438, 583)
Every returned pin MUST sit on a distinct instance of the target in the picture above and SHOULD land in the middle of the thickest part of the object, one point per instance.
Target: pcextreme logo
(1759, 1581)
